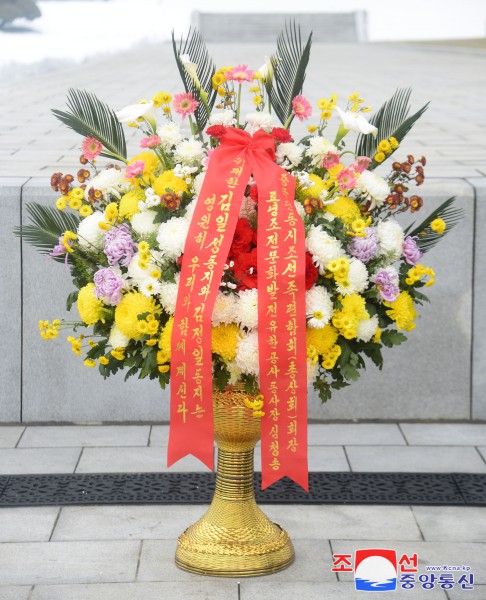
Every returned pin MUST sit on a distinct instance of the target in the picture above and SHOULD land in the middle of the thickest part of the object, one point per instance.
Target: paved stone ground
(451, 134)
(126, 552)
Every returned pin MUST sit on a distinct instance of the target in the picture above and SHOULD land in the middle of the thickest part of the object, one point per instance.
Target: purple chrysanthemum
(386, 283)
(108, 286)
(411, 251)
(364, 248)
(119, 246)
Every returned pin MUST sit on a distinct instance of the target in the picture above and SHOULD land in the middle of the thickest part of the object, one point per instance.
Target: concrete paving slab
(38, 460)
(9, 436)
(445, 434)
(27, 524)
(86, 435)
(68, 562)
(15, 592)
(320, 458)
(482, 451)
(429, 553)
(421, 459)
(478, 593)
(159, 436)
(217, 589)
(354, 433)
(125, 522)
(451, 523)
(134, 460)
(346, 522)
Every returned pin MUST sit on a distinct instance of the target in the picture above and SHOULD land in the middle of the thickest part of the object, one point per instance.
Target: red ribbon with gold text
(281, 308)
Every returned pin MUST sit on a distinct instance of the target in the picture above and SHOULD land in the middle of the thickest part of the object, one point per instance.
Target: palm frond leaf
(195, 47)
(289, 65)
(391, 120)
(426, 237)
(89, 116)
(47, 224)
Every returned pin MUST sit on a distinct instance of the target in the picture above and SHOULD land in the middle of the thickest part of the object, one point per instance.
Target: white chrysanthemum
(168, 294)
(323, 247)
(169, 134)
(374, 187)
(150, 287)
(247, 353)
(289, 155)
(260, 120)
(357, 278)
(138, 274)
(90, 235)
(390, 238)
(143, 222)
(190, 208)
(189, 152)
(300, 209)
(108, 181)
(117, 339)
(234, 372)
(198, 182)
(225, 309)
(248, 309)
(318, 306)
(172, 236)
(225, 117)
(367, 328)
(312, 371)
(318, 148)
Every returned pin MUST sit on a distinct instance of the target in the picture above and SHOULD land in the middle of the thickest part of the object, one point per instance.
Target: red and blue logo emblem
(375, 570)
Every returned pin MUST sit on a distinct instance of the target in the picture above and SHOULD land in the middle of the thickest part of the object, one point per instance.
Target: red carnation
(242, 239)
(281, 135)
(216, 131)
(245, 270)
(311, 271)
(254, 193)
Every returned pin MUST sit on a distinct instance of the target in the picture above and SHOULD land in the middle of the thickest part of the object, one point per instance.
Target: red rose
(311, 271)
(216, 131)
(254, 193)
(281, 135)
(245, 270)
(242, 239)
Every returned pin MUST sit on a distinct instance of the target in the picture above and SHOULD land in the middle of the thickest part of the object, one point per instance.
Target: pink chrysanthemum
(346, 179)
(185, 104)
(150, 142)
(91, 147)
(240, 73)
(301, 107)
(136, 168)
(331, 159)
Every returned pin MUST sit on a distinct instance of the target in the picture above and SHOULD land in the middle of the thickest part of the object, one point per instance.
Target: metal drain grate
(197, 488)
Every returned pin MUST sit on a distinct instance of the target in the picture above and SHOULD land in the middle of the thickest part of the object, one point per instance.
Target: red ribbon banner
(281, 308)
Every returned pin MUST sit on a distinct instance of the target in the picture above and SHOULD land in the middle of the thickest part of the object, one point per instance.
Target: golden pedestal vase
(234, 538)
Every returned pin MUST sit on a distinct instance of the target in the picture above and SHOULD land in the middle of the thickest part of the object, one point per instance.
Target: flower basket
(228, 252)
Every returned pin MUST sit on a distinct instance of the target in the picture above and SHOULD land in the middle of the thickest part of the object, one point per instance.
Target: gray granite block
(168, 590)
(426, 459)
(10, 435)
(445, 434)
(10, 298)
(15, 592)
(27, 524)
(451, 523)
(159, 436)
(68, 562)
(133, 460)
(320, 458)
(38, 460)
(85, 435)
(479, 338)
(354, 433)
(478, 593)
(345, 522)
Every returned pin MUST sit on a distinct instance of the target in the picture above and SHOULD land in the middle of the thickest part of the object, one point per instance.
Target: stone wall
(438, 374)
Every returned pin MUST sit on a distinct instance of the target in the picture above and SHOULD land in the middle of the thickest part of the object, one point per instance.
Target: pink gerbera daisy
(150, 142)
(331, 159)
(346, 179)
(301, 107)
(185, 104)
(91, 147)
(361, 164)
(135, 169)
(240, 73)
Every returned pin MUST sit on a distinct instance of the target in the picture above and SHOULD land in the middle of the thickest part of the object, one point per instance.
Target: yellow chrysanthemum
(85, 210)
(402, 311)
(317, 187)
(61, 203)
(164, 353)
(126, 314)
(217, 80)
(225, 340)
(379, 157)
(438, 225)
(331, 357)
(322, 339)
(161, 98)
(345, 209)
(353, 310)
(168, 181)
(129, 203)
(89, 307)
(152, 164)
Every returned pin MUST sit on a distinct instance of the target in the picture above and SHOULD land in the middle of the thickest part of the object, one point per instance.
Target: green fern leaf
(88, 116)
(426, 237)
(289, 65)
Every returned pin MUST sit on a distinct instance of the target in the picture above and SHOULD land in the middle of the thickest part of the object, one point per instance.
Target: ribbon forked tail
(281, 308)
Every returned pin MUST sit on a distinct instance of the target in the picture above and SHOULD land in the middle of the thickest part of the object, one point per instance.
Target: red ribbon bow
(281, 308)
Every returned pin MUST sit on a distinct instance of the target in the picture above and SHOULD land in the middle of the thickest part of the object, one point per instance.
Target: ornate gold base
(234, 538)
